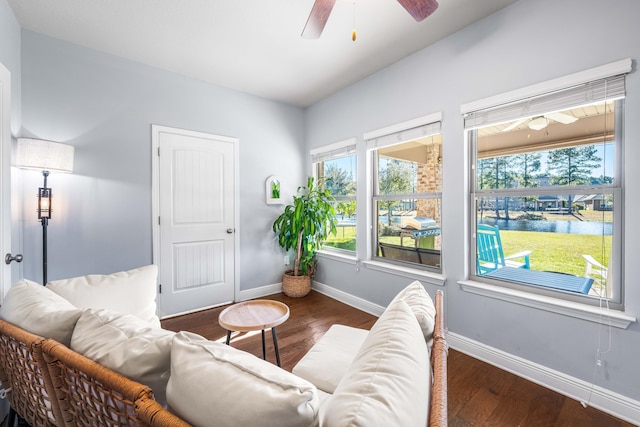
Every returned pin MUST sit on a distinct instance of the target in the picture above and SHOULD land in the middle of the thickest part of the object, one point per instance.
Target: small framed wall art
(273, 191)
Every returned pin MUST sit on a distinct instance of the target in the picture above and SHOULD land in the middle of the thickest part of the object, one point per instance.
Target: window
(407, 192)
(546, 191)
(334, 167)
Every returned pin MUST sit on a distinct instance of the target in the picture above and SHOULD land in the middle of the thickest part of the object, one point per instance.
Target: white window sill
(411, 273)
(568, 308)
(338, 256)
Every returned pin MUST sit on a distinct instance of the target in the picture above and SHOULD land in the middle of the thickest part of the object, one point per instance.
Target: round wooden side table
(255, 315)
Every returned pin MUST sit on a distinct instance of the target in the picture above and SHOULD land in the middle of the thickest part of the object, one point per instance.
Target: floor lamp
(48, 157)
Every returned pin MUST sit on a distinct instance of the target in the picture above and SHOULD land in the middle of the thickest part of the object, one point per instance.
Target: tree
(496, 173)
(602, 179)
(395, 177)
(338, 181)
(346, 208)
(525, 166)
(572, 166)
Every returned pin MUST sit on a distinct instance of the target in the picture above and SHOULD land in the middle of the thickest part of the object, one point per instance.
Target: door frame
(156, 130)
(5, 175)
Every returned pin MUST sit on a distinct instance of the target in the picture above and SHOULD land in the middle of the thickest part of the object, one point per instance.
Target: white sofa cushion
(128, 345)
(128, 292)
(215, 384)
(422, 306)
(388, 383)
(328, 360)
(36, 309)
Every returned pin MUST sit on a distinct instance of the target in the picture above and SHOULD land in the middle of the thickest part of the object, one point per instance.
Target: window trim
(520, 95)
(602, 315)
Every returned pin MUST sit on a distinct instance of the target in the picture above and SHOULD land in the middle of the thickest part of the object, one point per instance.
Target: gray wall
(526, 43)
(104, 106)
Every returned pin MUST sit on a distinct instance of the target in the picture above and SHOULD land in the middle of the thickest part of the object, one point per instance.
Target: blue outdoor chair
(490, 256)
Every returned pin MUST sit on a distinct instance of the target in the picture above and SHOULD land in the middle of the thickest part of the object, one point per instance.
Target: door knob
(8, 258)
(229, 230)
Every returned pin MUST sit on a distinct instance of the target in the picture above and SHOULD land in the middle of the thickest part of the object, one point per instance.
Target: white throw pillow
(422, 306)
(215, 384)
(36, 309)
(128, 292)
(127, 345)
(389, 382)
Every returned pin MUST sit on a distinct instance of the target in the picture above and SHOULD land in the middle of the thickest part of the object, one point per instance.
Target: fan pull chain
(353, 33)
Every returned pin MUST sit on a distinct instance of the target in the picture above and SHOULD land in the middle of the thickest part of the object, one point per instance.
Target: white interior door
(196, 232)
(5, 179)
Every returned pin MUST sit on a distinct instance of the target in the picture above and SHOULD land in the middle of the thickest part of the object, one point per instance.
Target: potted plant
(304, 226)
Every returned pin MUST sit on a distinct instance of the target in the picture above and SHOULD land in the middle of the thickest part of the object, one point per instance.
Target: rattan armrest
(439, 352)
(89, 393)
(155, 415)
(24, 371)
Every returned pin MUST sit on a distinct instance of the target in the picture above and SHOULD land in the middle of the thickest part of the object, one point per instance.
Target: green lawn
(556, 251)
(549, 251)
(345, 238)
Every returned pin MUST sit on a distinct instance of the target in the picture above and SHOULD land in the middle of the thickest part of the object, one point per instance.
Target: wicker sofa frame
(49, 384)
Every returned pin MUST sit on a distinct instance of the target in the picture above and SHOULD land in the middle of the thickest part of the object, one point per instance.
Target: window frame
(617, 298)
(337, 150)
(397, 134)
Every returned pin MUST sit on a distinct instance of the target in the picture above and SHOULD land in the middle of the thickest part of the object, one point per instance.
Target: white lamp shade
(40, 154)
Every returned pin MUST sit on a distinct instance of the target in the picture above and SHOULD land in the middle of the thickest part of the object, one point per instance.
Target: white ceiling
(252, 45)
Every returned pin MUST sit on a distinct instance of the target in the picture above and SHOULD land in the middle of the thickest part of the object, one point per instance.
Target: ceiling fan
(541, 122)
(418, 9)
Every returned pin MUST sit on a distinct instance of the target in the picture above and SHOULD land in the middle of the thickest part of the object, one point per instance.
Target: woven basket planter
(295, 286)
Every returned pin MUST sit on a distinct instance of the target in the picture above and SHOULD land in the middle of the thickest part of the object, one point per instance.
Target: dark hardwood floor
(479, 394)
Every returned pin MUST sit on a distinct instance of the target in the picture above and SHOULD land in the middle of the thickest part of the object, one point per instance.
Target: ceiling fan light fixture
(538, 123)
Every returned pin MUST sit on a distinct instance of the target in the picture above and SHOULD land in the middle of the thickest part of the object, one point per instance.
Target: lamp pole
(44, 213)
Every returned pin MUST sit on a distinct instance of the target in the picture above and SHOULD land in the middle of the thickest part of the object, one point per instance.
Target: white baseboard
(260, 292)
(356, 302)
(600, 398)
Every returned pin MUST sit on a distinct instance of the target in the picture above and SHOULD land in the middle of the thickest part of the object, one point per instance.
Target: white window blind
(607, 89)
(334, 151)
(405, 135)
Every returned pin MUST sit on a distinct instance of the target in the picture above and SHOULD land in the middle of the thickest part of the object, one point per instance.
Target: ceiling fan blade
(561, 117)
(317, 18)
(419, 9)
(514, 125)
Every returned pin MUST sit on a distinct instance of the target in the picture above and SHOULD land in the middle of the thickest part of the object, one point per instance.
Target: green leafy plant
(306, 224)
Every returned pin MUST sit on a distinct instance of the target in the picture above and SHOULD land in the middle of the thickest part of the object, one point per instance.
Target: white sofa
(351, 377)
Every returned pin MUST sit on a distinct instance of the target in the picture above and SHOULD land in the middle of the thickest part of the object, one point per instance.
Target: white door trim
(156, 130)
(5, 177)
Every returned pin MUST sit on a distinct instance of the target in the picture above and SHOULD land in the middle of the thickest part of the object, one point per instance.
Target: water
(594, 228)
(569, 227)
